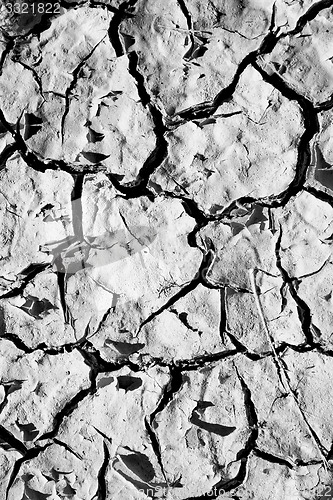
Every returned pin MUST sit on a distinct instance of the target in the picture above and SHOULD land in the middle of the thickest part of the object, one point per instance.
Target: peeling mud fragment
(269, 479)
(110, 414)
(304, 61)
(24, 228)
(18, 87)
(288, 14)
(235, 153)
(7, 461)
(137, 259)
(310, 376)
(250, 17)
(320, 171)
(201, 434)
(163, 28)
(36, 316)
(306, 228)
(72, 64)
(110, 107)
(40, 385)
(55, 471)
(282, 430)
(316, 292)
(189, 328)
(281, 314)
(201, 38)
(244, 243)
(69, 39)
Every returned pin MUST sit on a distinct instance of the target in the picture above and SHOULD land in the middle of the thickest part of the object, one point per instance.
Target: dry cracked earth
(166, 265)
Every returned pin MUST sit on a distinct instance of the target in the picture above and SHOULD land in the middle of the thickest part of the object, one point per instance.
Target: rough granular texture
(166, 230)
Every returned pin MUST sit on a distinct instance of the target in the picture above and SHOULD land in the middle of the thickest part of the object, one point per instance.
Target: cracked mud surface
(166, 260)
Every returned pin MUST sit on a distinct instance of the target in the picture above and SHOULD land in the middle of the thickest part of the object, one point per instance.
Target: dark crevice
(66, 411)
(242, 456)
(182, 316)
(310, 14)
(182, 293)
(9, 438)
(70, 88)
(235, 482)
(272, 458)
(6, 153)
(325, 106)
(10, 44)
(67, 448)
(207, 108)
(252, 419)
(225, 486)
(34, 74)
(35, 270)
(72, 5)
(186, 13)
(93, 359)
(33, 160)
(18, 342)
(29, 455)
(153, 161)
(300, 348)
(330, 453)
(189, 24)
(124, 12)
(138, 187)
(172, 388)
(324, 352)
(306, 463)
(133, 61)
(113, 33)
(311, 126)
(76, 199)
(155, 445)
(104, 318)
(101, 493)
(321, 195)
(226, 215)
(241, 348)
(97, 365)
(198, 278)
(303, 310)
(49, 350)
(100, 4)
(198, 362)
(44, 24)
(223, 314)
(61, 280)
(192, 209)
(9, 388)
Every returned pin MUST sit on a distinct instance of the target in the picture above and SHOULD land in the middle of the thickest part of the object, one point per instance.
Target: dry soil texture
(166, 264)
